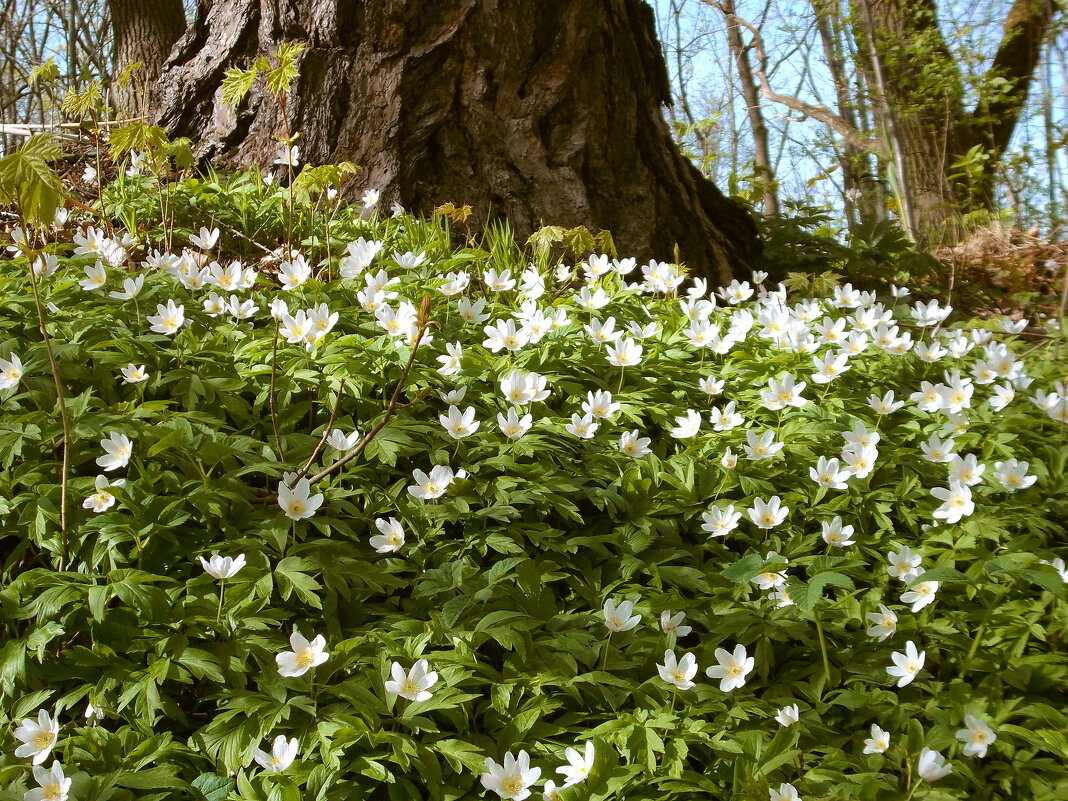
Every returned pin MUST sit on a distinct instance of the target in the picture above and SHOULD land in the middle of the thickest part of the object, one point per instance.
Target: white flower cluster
(815, 341)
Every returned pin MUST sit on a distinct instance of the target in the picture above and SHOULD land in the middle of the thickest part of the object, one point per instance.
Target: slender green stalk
(604, 652)
(982, 630)
(823, 648)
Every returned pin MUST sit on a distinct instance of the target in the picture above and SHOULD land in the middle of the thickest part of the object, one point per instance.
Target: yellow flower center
(44, 740)
(734, 670)
(512, 785)
(296, 507)
(52, 791)
(409, 687)
(12, 373)
(305, 658)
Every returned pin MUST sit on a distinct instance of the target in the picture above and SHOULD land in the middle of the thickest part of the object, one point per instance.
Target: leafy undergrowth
(520, 472)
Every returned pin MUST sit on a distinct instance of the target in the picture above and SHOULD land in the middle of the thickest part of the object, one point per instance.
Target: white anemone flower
(283, 752)
(932, 766)
(634, 445)
(578, 765)
(906, 665)
(884, 623)
(768, 514)
(10, 371)
(678, 672)
(340, 441)
(306, 654)
(732, 668)
(37, 736)
(117, 451)
(167, 319)
(788, 715)
(786, 792)
(134, 374)
(674, 623)
(223, 567)
(102, 500)
(297, 502)
(621, 617)
(512, 779)
(977, 736)
(879, 741)
(920, 594)
(434, 485)
(414, 684)
(390, 538)
(53, 785)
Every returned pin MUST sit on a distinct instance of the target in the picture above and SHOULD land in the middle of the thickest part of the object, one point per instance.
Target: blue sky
(801, 147)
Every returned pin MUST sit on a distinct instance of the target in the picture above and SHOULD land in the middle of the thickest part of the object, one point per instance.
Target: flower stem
(604, 653)
(823, 648)
(270, 396)
(982, 629)
(222, 591)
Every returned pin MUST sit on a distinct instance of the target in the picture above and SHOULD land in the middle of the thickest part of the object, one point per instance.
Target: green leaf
(805, 595)
(28, 181)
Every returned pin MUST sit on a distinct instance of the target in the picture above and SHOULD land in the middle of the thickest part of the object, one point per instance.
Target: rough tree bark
(144, 32)
(925, 92)
(541, 111)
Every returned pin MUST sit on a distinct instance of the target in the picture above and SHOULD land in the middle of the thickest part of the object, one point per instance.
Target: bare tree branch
(816, 112)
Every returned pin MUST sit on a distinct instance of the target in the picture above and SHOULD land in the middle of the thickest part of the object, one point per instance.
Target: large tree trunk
(540, 111)
(924, 108)
(144, 33)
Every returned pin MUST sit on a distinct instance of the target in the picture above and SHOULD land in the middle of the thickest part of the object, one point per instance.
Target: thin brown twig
(61, 401)
(326, 433)
(391, 409)
(240, 235)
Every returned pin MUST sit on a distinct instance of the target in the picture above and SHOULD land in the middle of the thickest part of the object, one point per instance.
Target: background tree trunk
(540, 111)
(144, 32)
(925, 93)
(751, 95)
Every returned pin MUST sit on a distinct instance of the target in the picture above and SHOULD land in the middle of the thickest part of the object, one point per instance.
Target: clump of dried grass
(997, 270)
